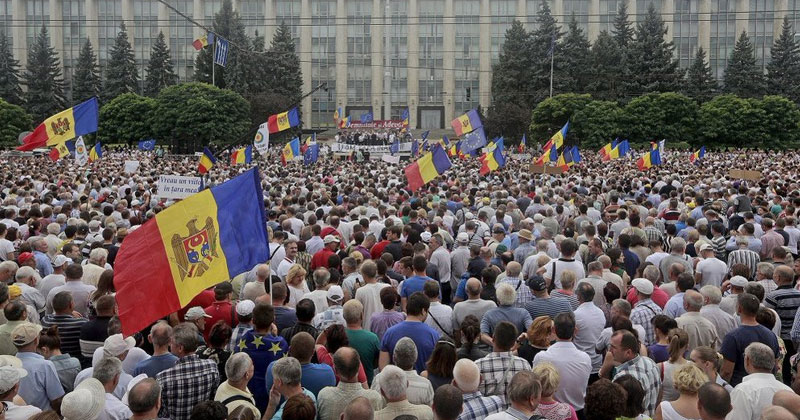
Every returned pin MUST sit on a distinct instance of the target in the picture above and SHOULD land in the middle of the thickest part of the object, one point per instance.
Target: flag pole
(552, 58)
(214, 68)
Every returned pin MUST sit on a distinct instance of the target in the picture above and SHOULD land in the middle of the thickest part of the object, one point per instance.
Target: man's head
(692, 301)
(184, 339)
(239, 369)
(405, 353)
(62, 303)
(513, 269)
(393, 384)
(346, 362)
(418, 305)
(747, 305)
(16, 311)
(524, 390)
(291, 249)
(624, 346)
(685, 282)
(504, 337)
(466, 375)
(223, 291)
(783, 275)
(506, 295)
(107, 371)
(473, 288)
(279, 292)
(352, 312)
(564, 326)
(448, 402)
(286, 372)
(145, 398)
(758, 358)
(302, 347)
(585, 292)
(73, 272)
(358, 409)
(595, 268)
(263, 316)
(711, 295)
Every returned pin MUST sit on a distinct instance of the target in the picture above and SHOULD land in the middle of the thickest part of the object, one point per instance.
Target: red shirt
(377, 249)
(320, 259)
(205, 298)
(219, 310)
(659, 296)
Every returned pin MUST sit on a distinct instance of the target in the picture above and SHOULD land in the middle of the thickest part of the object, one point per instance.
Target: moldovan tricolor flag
(59, 151)
(283, 121)
(206, 161)
(77, 121)
(427, 168)
(243, 155)
(466, 123)
(96, 152)
(203, 240)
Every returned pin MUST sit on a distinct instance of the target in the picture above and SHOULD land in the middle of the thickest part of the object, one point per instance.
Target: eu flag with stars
(311, 154)
(148, 144)
(474, 140)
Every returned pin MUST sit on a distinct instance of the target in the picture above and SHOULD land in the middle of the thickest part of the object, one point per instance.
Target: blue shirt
(423, 335)
(279, 412)
(631, 262)
(674, 306)
(737, 340)
(413, 284)
(42, 384)
(155, 364)
(263, 349)
(43, 264)
(315, 377)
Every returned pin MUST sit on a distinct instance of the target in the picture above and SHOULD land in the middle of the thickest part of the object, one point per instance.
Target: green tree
(700, 82)
(511, 82)
(121, 74)
(783, 72)
(596, 123)
(575, 51)
(86, 81)
(650, 62)
(727, 120)
(287, 77)
(607, 68)
(43, 77)
(742, 76)
(657, 116)
(192, 115)
(229, 26)
(13, 121)
(126, 118)
(160, 72)
(623, 28)
(544, 42)
(781, 122)
(10, 90)
(552, 113)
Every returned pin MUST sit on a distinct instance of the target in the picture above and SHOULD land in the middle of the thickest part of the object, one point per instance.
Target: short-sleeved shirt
(42, 384)
(153, 365)
(424, 337)
(737, 340)
(368, 347)
(413, 284)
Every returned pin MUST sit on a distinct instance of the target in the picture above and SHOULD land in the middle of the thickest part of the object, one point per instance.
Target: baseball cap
(14, 292)
(245, 307)
(86, 402)
(500, 249)
(25, 256)
(738, 281)
(335, 293)
(116, 345)
(223, 288)
(60, 260)
(537, 283)
(462, 237)
(330, 238)
(195, 312)
(425, 236)
(644, 286)
(25, 333)
(706, 247)
(10, 376)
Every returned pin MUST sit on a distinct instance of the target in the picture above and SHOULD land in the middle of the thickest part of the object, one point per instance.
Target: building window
(578, 8)
(359, 52)
(398, 53)
(145, 17)
(467, 55)
(323, 61)
(74, 34)
(253, 15)
(431, 56)
(109, 15)
(608, 12)
(287, 12)
(181, 36)
(503, 13)
(760, 28)
(723, 35)
(643, 5)
(685, 24)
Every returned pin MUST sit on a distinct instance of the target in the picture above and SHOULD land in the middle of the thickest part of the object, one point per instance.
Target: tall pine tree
(86, 81)
(43, 78)
(10, 90)
(228, 25)
(544, 42)
(783, 72)
(607, 69)
(743, 77)
(575, 50)
(160, 72)
(286, 77)
(651, 65)
(623, 28)
(512, 77)
(700, 82)
(121, 74)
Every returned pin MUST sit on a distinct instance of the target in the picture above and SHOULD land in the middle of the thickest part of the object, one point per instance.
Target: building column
(197, 13)
(485, 56)
(270, 21)
(521, 14)
(631, 11)
(341, 54)
(704, 26)
(781, 6)
(558, 11)
(164, 22)
(376, 29)
(412, 70)
(449, 62)
(668, 14)
(57, 28)
(593, 29)
(127, 17)
(305, 55)
(18, 32)
(235, 5)
(742, 17)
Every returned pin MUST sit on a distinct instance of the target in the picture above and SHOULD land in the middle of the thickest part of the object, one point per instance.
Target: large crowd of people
(600, 293)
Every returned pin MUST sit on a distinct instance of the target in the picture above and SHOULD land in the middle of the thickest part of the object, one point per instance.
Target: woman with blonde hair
(296, 284)
(549, 408)
(538, 338)
(687, 380)
(709, 361)
(678, 343)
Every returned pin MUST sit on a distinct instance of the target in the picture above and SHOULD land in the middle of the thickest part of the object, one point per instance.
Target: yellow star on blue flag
(275, 349)
(258, 341)
(242, 345)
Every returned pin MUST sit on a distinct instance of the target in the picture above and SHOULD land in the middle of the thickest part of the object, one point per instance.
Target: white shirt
(723, 321)
(283, 268)
(420, 390)
(574, 366)
(370, 297)
(441, 258)
(49, 282)
(20, 412)
(753, 395)
(115, 409)
(591, 322)
(6, 247)
(320, 299)
(575, 266)
(443, 315)
(713, 271)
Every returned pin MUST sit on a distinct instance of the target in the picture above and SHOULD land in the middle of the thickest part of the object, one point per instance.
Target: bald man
(358, 409)
(474, 305)
(467, 378)
(788, 400)
(702, 332)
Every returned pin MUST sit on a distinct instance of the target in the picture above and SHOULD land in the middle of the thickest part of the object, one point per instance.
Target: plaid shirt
(497, 368)
(191, 381)
(476, 406)
(524, 294)
(642, 313)
(646, 372)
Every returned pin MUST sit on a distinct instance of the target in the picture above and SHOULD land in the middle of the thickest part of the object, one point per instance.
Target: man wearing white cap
(244, 312)
(332, 315)
(197, 317)
(711, 270)
(459, 259)
(10, 376)
(645, 309)
(729, 302)
(86, 402)
(114, 346)
(320, 259)
(57, 278)
(41, 388)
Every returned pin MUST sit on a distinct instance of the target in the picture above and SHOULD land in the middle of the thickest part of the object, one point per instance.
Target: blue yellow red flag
(96, 152)
(494, 158)
(427, 168)
(283, 121)
(467, 123)
(696, 156)
(290, 150)
(66, 125)
(207, 160)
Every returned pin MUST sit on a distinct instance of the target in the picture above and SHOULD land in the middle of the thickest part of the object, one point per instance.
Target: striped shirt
(746, 257)
(524, 294)
(476, 406)
(719, 242)
(550, 306)
(69, 332)
(785, 301)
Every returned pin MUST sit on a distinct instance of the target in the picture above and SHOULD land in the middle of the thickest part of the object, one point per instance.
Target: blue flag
(576, 155)
(395, 147)
(474, 140)
(414, 148)
(311, 154)
(366, 117)
(148, 144)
